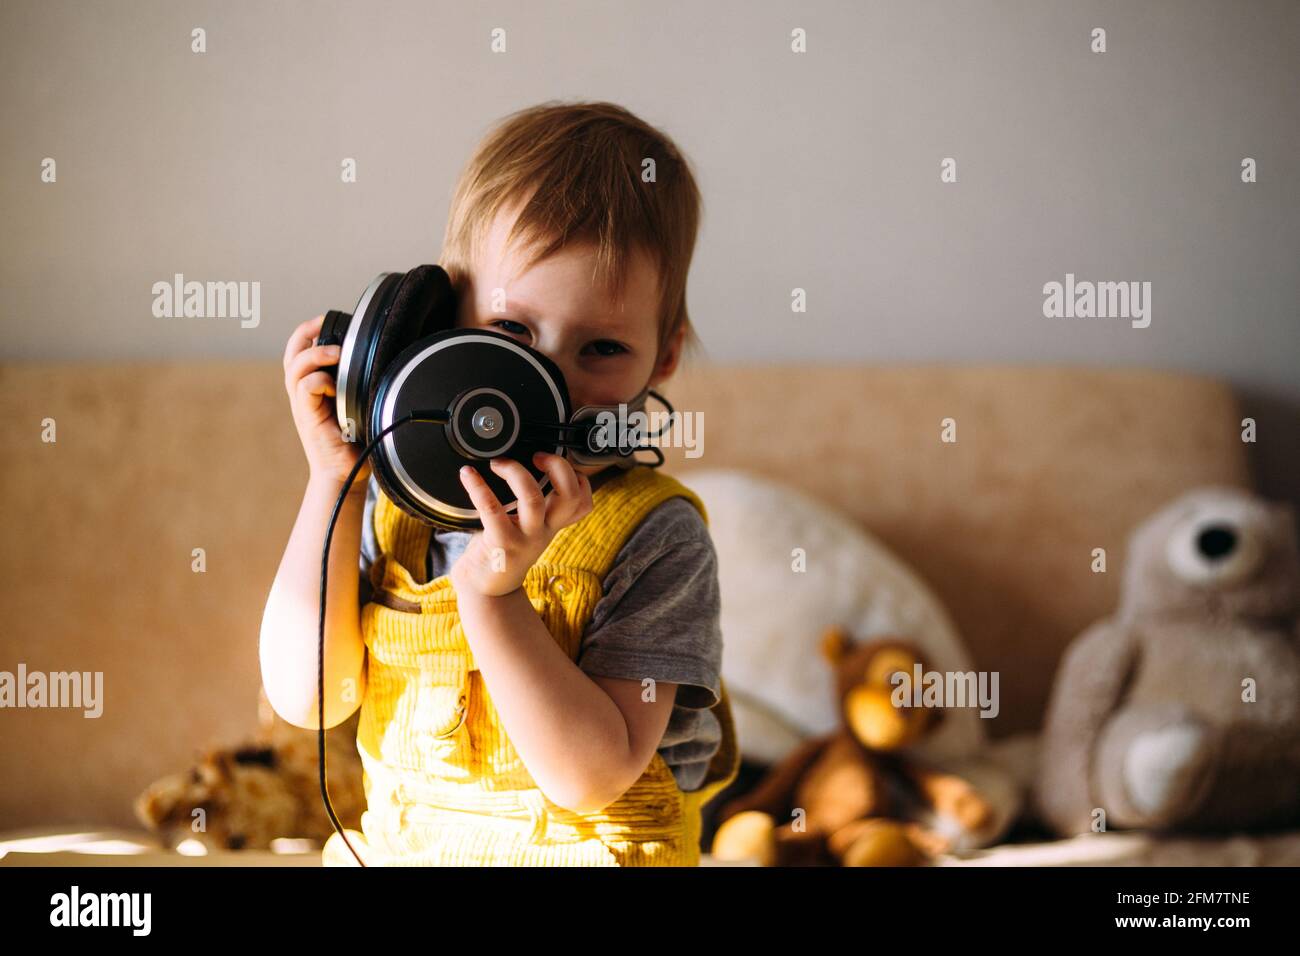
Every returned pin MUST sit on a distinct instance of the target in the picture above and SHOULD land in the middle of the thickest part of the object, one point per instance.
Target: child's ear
(668, 358)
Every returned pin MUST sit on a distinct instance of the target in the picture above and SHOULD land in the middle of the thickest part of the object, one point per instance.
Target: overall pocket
(418, 688)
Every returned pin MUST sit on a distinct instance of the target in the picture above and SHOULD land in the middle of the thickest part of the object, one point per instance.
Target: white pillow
(774, 618)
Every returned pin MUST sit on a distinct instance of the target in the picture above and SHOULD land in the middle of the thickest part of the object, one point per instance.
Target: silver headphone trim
(506, 443)
(345, 385)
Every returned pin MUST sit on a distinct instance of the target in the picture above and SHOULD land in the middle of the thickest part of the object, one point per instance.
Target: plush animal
(784, 581)
(1182, 711)
(269, 788)
(857, 797)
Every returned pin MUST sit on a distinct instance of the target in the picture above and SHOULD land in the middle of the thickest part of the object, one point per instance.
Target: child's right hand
(311, 397)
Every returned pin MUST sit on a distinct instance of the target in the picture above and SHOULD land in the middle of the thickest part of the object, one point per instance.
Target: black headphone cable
(435, 417)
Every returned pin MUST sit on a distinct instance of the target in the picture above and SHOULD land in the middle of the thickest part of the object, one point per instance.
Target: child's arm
(289, 644)
(584, 742)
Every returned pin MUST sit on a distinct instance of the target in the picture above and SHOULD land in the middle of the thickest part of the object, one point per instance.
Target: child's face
(605, 348)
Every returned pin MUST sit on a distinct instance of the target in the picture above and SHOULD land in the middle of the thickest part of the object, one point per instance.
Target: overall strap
(404, 538)
(618, 507)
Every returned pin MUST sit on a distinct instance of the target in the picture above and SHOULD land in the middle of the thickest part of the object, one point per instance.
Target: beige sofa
(154, 461)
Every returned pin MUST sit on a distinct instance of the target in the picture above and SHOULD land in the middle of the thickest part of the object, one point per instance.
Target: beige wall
(820, 171)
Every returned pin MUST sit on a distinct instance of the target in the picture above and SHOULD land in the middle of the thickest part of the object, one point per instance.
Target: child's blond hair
(581, 167)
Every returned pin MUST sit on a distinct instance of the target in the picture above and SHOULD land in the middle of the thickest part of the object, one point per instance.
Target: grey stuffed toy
(1182, 711)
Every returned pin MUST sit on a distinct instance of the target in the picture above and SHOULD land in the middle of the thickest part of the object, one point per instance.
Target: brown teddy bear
(858, 799)
(1182, 710)
(266, 789)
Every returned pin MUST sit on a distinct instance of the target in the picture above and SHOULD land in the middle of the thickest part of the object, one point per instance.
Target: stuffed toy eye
(1216, 550)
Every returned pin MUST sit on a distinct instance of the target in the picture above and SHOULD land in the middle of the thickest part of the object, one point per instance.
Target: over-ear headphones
(400, 353)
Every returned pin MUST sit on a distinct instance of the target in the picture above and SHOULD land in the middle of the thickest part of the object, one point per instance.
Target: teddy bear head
(1214, 551)
(866, 685)
(229, 800)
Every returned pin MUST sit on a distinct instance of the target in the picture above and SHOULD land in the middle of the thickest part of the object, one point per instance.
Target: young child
(562, 706)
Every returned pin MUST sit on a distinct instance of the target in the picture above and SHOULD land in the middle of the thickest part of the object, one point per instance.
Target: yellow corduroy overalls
(444, 785)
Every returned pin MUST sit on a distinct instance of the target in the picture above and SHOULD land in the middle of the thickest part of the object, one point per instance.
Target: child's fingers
(572, 491)
(490, 511)
(317, 383)
(302, 337)
(530, 503)
(561, 473)
(308, 361)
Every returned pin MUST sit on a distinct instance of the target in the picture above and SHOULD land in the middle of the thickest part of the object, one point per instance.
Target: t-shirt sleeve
(659, 616)
(369, 541)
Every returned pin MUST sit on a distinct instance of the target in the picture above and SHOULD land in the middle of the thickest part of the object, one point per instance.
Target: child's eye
(614, 347)
(518, 330)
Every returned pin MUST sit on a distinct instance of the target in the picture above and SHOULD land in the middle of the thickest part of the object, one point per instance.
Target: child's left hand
(497, 558)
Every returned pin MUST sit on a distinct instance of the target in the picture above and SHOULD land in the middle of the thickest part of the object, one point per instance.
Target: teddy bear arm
(1089, 686)
(951, 796)
(775, 791)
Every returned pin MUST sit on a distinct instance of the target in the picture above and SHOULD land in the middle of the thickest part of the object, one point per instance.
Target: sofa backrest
(1048, 464)
(151, 462)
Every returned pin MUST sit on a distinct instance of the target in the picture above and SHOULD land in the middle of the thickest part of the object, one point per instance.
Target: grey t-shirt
(658, 617)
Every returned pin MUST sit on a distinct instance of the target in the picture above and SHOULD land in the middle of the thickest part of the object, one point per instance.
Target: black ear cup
(502, 400)
(397, 495)
(421, 300)
(395, 309)
(426, 299)
(333, 328)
